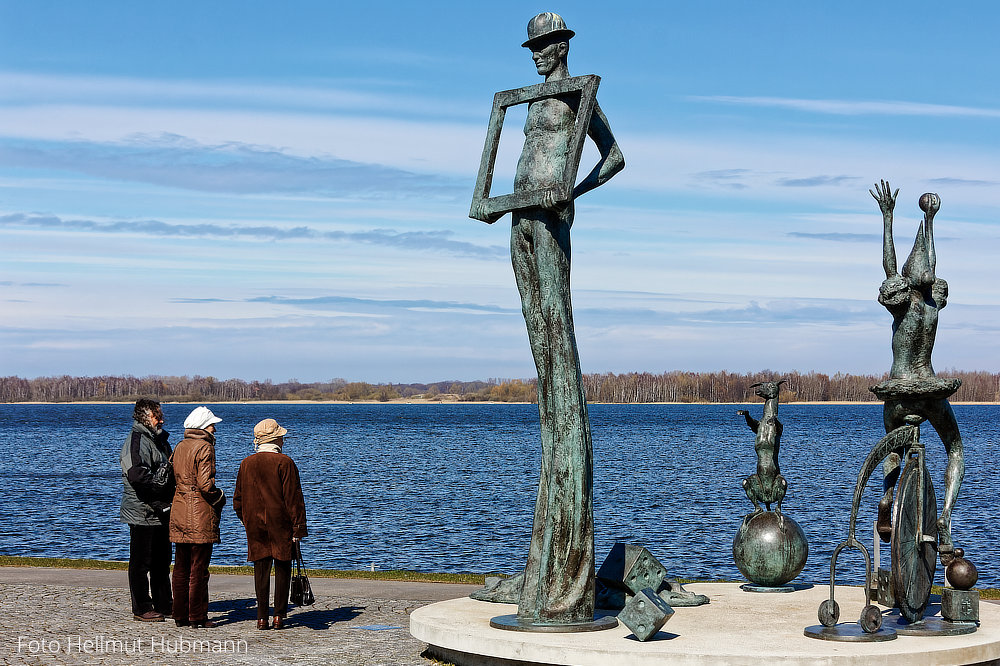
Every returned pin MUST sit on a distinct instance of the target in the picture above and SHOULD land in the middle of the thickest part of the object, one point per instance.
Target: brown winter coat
(198, 502)
(268, 500)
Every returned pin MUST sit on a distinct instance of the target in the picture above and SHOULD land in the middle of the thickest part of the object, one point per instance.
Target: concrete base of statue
(735, 628)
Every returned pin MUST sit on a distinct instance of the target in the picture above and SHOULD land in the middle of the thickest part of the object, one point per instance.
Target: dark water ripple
(452, 487)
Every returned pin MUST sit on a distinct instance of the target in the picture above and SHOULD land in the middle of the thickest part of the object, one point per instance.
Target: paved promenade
(73, 616)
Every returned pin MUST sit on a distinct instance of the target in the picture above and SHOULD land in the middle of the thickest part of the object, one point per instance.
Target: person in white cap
(268, 500)
(194, 517)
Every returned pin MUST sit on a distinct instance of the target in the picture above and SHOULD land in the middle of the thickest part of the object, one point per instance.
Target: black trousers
(149, 568)
(191, 581)
(262, 584)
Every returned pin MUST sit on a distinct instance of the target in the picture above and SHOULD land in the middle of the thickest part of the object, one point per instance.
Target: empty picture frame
(586, 86)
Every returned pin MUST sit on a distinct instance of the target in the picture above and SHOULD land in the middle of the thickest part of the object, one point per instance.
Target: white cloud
(421, 146)
(329, 95)
(854, 107)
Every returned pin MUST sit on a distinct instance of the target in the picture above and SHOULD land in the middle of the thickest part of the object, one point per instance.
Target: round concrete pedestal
(735, 628)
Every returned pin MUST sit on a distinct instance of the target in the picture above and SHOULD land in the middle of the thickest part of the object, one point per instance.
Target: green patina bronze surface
(767, 486)
(770, 548)
(915, 297)
(558, 581)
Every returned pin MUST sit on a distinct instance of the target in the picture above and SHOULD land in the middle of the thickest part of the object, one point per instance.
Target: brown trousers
(262, 584)
(191, 581)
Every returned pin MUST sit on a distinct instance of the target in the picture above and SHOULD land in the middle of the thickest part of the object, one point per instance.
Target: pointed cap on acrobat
(547, 25)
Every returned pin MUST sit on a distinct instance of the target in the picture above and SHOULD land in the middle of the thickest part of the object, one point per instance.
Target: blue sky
(281, 190)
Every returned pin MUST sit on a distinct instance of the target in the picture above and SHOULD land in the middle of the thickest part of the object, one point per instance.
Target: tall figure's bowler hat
(546, 25)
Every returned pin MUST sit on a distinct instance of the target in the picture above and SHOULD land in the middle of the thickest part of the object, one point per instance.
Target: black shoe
(182, 623)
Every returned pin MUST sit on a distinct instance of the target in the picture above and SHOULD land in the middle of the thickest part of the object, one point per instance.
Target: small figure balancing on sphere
(767, 486)
(914, 298)
(770, 548)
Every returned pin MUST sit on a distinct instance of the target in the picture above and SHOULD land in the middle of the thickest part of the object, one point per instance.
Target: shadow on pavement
(233, 610)
(228, 611)
(322, 618)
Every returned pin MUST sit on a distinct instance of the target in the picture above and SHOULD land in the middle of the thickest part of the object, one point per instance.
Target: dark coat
(197, 507)
(144, 503)
(268, 500)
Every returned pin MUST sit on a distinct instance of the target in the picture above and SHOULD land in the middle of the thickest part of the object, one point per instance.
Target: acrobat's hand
(885, 197)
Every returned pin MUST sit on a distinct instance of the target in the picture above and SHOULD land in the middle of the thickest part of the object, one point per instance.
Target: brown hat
(267, 430)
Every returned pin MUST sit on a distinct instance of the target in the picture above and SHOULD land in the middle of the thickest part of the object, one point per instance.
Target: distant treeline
(631, 387)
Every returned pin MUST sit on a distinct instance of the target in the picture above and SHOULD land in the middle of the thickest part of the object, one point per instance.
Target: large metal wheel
(914, 541)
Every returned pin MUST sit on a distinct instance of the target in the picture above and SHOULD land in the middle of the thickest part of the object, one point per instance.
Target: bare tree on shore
(629, 387)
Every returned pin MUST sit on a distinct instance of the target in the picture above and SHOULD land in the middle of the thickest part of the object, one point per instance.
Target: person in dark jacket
(268, 500)
(145, 509)
(194, 517)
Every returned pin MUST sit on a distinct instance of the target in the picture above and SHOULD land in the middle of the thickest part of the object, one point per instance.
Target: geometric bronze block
(645, 613)
(884, 593)
(960, 605)
(631, 567)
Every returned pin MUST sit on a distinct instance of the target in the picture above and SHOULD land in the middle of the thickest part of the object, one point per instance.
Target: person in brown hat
(268, 501)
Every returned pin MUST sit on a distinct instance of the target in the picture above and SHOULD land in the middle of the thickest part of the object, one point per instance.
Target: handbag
(163, 476)
(301, 592)
(163, 481)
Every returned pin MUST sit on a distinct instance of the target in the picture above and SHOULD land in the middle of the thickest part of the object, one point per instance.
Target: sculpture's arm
(934, 205)
(751, 421)
(612, 161)
(886, 202)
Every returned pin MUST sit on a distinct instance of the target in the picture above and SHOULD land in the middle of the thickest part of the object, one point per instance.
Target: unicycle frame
(906, 437)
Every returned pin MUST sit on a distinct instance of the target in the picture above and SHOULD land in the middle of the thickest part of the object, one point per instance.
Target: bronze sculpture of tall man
(558, 582)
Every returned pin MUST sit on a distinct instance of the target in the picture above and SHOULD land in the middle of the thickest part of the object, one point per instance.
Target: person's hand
(885, 197)
(296, 539)
(742, 412)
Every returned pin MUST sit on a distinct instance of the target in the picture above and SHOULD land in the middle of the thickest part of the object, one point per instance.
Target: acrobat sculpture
(907, 512)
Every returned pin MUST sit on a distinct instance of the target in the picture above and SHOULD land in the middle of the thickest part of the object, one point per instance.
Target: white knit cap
(201, 418)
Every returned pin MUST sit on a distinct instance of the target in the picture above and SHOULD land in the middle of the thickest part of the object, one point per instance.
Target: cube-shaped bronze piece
(631, 567)
(645, 614)
(960, 605)
(883, 588)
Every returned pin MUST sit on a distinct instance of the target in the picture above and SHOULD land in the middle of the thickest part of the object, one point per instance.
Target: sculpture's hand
(479, 213)
(550, 200)
(885, 197)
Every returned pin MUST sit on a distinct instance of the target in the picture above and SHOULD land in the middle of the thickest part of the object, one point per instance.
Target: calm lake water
(451, 488)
